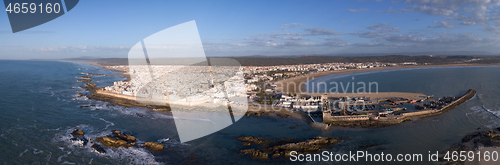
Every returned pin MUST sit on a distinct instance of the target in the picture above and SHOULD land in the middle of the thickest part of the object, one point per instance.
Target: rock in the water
(98, 148)
(118, 140)
(255, 140)
(113, 142)
(246, 143)
(130, 138)
(256, 154)
(79, 135)
(116, 132)
(127, 137)
(154, 146)
(77, 132)
(283, 147)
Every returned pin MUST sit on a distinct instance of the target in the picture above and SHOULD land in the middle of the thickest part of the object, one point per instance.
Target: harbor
(323, 110)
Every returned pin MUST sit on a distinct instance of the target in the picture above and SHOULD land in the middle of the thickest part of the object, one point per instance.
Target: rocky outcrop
(117, 140)
(90, 86)
(79, 135)
(85, 79)
(153, 146)
(127, 137)
(92, 74)
(254, 140)
(113, 142)
(255, 154)
(99, 148)
(281, 148)
(473, 142)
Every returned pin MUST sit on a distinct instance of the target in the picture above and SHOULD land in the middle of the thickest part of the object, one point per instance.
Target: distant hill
(266, 61)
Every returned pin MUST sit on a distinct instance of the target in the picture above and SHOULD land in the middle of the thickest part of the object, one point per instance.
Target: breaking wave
(129, 155)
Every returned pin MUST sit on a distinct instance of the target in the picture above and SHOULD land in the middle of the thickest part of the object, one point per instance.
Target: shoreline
(303, 80)
(276, 111)
(123, 72)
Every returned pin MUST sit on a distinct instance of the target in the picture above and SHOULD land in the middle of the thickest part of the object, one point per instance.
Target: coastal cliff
(96, 93)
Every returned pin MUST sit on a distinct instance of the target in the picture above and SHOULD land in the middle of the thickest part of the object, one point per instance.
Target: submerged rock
(99, 148)
(368, 146)
(154, 146)
(92, 74)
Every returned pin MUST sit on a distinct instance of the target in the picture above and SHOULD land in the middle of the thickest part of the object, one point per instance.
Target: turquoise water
(40, 106)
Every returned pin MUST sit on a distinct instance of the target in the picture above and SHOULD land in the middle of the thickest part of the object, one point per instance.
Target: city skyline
(275, 28)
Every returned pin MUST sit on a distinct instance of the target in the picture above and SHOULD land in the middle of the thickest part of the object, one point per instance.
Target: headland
(267, 88)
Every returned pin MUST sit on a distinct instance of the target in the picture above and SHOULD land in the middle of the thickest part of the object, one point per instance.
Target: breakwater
(347, 120)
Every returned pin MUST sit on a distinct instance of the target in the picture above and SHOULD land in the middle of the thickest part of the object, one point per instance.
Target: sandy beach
(410, 96)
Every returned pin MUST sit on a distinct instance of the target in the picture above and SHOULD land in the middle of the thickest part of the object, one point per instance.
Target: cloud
(83, 48)
(382, 37)
(494, 30)
(470, 12)
(222, 45)
(357, 10)
(423, 9)
(433, 10)
(396, 2)
(225, 44)
(466, 23)
(307, 32)
(379, 31)
(390, 10)
(371, 44)
(383, 27)
(296, 42)
(291, 38)
(370, 34)
(442, 24)
(444, 40)
(319, 31)
(292, 25)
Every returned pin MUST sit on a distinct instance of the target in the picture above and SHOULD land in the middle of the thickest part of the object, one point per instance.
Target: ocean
(40, 107)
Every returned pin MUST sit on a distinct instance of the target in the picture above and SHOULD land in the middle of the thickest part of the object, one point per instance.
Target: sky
(109, 28)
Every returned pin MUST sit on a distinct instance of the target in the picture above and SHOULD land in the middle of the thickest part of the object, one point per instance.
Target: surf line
(487, 110)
